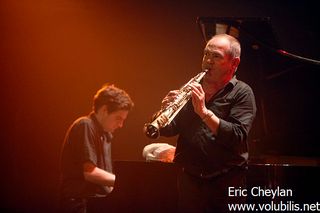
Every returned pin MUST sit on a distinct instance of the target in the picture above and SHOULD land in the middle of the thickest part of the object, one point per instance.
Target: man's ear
(104, 109)
(235, 62)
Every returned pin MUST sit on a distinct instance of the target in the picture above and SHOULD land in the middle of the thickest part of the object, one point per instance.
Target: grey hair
(235, 47)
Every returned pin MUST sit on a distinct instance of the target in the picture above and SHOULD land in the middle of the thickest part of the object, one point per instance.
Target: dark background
(55, 54)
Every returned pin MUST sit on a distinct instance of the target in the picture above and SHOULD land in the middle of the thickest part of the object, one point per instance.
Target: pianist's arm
(98, 176)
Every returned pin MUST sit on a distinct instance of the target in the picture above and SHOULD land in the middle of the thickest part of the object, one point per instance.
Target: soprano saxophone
(166, 115)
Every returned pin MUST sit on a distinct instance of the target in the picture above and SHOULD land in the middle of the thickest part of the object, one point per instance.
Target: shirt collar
(233, 81)
(229, 86)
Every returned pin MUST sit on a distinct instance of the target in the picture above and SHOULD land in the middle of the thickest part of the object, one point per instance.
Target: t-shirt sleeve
(84, 146)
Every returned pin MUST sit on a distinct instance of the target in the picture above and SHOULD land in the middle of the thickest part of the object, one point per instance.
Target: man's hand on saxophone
(198, 101)
(169, 98)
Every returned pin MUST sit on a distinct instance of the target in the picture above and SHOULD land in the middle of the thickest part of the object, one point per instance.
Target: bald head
(234, 49)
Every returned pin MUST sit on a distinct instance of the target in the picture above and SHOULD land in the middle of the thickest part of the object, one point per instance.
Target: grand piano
(152, 187)
(140, 187)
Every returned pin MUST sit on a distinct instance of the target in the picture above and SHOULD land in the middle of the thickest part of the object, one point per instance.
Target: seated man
(86, 166)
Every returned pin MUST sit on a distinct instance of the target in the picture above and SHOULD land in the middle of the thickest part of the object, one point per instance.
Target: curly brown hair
(114, 98)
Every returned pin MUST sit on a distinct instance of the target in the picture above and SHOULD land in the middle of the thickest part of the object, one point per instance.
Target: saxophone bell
(152, 131)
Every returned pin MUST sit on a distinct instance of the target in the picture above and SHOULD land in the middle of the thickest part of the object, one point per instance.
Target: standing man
(86, 166)
(213, 128)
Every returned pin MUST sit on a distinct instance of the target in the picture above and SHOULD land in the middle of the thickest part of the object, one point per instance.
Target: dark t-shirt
(85, 141)
(201, 152)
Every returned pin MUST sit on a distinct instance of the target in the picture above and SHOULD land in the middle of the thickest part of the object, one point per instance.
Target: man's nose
(206, 65)
(209, 60)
